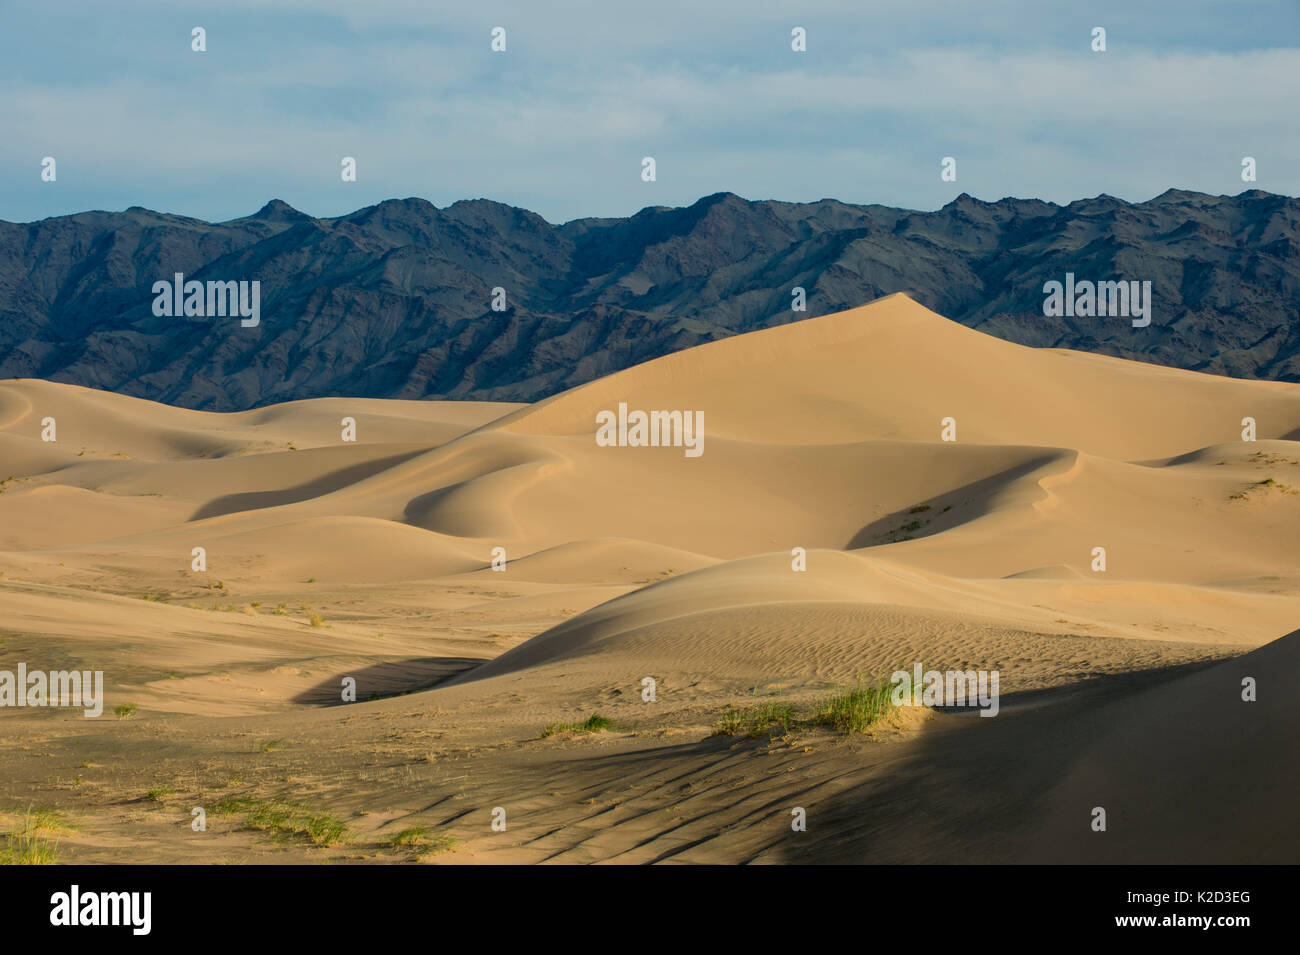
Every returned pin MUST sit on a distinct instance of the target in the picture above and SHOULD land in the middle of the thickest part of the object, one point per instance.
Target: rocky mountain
(395, 300)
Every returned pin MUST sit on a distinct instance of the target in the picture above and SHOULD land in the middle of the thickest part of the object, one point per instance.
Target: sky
(560, 122)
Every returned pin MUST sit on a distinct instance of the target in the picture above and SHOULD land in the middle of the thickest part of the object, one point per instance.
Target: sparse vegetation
(32, 844)
(439, 844)
(662, 575)
(420, 837)
(849, 711)
(919, 509)
(415, 836)
(37, 821)
(857, 710)
(595, 723)
(317, 620)
(1267, 482)
(123, 710)
(29, 850)
(159, 793)
(754, 721)
(285, 818)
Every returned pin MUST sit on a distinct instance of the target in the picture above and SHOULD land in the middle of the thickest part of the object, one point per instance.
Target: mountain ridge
(393, 299)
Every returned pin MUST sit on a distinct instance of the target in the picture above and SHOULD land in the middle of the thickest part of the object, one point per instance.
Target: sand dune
(893, 369)
(482, 570)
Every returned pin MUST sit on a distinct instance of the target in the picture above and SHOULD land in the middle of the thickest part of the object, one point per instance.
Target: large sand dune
(374, 559)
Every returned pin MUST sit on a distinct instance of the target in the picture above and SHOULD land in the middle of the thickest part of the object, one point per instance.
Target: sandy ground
(372, 560)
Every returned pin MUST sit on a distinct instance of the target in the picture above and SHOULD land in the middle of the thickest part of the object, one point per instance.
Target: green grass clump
(283, 817)
(848, 711)
(31, 843)
(159, 793)
(29, 850)
(419, 837)
(324, 830)
(857, 710)
(123, 710)
(595, 723)
(415, 836)
(439, 844)
(774, 719)
(44, 820)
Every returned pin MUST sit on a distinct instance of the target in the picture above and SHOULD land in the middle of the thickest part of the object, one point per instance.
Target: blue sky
(559, 123)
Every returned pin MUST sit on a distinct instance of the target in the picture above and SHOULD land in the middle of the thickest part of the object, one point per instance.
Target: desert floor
(372, 559)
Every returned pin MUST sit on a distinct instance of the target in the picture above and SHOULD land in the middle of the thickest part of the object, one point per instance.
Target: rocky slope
(394, 300)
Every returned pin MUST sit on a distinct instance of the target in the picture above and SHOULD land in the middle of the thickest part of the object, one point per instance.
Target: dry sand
(372, 560)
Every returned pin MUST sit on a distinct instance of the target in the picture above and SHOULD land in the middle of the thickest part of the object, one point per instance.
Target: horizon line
(276, 203)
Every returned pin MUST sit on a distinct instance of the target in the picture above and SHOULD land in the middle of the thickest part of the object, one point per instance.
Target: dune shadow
(980, 790)
(390, 678)
(325, 484)
(419, 509)
(944, 511)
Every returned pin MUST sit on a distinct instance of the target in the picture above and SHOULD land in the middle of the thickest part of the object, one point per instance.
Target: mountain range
(395, 300)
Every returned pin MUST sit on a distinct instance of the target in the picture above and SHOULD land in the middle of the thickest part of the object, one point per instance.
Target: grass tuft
(755, 721)
(36, 821)
(849, 711)
(283, 817)
(31, 844)
(857, 710)
(29, 850)
(419, 837)
(595, 723)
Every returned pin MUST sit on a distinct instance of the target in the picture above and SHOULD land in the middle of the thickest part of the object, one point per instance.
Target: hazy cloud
(560, 122)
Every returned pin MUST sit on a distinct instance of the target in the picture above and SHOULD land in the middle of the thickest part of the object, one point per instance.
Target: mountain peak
(277, 210)
(1180, 195)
